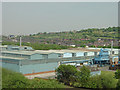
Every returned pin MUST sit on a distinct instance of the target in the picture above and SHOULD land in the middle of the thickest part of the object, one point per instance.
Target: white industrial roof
(25, 52)
(3, 46)
(105, 48)
(43, 51)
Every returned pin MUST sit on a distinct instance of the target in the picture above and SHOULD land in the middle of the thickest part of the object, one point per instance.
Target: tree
(117, 76)
(83, 76)
(66, 73)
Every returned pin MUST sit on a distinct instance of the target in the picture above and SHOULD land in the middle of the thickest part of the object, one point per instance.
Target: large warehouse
(26, 60)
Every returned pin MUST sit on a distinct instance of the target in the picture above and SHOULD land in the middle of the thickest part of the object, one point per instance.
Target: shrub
(82, 76)
(108, 81)
(65, 73)
(117, 76)
(12, 79)
(94, 82)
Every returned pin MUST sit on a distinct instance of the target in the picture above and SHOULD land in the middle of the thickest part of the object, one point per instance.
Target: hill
(90, 37)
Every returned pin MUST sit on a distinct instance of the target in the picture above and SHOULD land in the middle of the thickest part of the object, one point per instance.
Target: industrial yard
(60, 44)
(42, 63)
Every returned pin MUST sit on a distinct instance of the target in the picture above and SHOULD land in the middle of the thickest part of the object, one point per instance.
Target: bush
(118, 84)
(94, 82)
(82, 76)
(12, 79)
(66, 73)
(70, 75)
(117, 76)
(105, 80)
(108, 81)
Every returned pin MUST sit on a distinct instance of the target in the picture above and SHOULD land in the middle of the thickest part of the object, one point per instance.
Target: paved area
(106, 68)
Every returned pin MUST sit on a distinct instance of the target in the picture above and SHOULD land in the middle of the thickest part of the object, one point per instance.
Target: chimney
(20, 40)
(111, 47)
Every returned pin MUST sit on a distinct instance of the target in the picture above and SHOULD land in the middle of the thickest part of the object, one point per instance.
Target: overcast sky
(33, 17)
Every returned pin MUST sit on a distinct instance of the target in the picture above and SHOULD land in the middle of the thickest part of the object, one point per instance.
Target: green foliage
(108, 81)
(12, 79)
(84, 75)
(118, 84)
(65, 73)
(94, 82)
(117, 76)
(70, 75)
(105, 80)
(38, 46)
(92, 34)
(51, 39)
(82, 78)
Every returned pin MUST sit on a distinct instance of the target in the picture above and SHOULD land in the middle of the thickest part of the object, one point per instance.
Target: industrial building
(103, 57)
(114, 51)
(26, 60)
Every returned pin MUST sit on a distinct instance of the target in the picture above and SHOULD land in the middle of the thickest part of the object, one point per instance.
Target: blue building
(103, 57)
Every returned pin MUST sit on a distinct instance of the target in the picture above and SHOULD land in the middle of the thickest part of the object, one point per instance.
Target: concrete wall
(90, 53)
(116, 52)
(53, 55)
(78, 54)
(65, 55)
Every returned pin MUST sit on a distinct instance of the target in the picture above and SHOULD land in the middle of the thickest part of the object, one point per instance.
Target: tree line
(69, 75)
(38, 46)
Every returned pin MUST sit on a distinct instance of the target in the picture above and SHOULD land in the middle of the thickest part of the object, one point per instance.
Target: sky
(32, 17)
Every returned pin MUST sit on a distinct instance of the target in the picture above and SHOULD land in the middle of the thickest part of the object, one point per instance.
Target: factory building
(114, 51)
(26, 60)
(103, 57)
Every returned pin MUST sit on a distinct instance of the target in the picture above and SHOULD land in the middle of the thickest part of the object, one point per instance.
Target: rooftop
(43, 51)
(16, 58)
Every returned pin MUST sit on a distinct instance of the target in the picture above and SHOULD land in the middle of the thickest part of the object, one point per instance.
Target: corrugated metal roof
(105, 48)
(44, 51)
(3, 46)
(25, 52)
(19, 52)
(16, 58)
